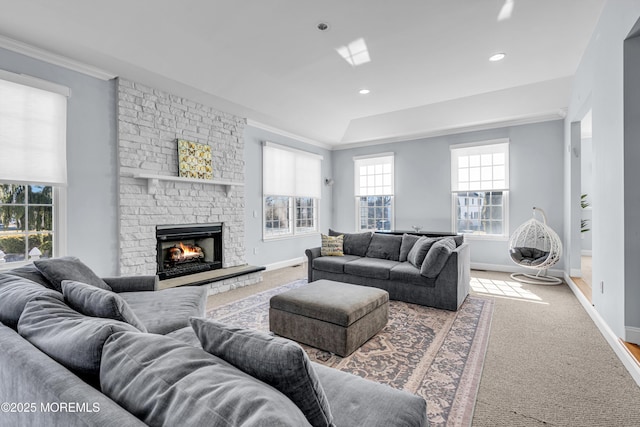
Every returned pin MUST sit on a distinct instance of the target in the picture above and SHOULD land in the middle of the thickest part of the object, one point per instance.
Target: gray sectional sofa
(430, 271)
(78, 350)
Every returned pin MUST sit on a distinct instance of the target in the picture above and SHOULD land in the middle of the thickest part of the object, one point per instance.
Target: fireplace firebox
(188, 249)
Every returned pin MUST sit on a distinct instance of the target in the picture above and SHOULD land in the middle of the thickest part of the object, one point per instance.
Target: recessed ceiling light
(364, 91)
(497, 57)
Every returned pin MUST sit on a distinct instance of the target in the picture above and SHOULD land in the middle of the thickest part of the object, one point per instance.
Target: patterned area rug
(436, 354)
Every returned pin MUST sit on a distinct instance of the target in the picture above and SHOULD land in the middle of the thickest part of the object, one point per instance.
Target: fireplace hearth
(188, 249)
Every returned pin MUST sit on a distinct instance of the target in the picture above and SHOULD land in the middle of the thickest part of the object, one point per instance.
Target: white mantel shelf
(152, 181)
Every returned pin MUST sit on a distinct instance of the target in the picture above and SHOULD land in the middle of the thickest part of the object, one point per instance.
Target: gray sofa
(430, 271)
(62, 367)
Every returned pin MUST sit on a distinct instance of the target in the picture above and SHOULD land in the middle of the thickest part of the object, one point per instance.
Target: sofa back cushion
(30, 272)
(70, 338)
(408, 240)
(437, 257)
(165, 382)
(420, 249)
(15, 293)
(354, 243)
(96, 302)
(278, 362)
(68, 268)
(385, 246)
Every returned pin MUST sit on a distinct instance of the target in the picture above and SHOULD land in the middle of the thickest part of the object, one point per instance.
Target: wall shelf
(153, 180)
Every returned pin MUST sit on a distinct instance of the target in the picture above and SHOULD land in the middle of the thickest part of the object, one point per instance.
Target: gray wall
(91, 160)
(423, 183)
(599, 84)
(280, 250)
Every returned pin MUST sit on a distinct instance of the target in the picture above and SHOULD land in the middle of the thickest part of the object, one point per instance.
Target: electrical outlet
(255, 251)
(602, 286)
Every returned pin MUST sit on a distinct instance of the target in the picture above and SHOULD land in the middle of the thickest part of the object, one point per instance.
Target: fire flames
(184, 253)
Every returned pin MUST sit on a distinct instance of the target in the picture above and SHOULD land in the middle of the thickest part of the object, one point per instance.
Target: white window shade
(374, 176)
(290, 172)
(33, 138)
(480, 167)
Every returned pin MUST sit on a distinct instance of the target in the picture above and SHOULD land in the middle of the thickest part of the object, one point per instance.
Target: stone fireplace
(152, 197)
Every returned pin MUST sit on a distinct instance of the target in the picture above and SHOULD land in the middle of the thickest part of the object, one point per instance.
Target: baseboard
(512, 269)
(614, 342)
(285, 263)
(575, 272)
(585, 252)
(632, 334)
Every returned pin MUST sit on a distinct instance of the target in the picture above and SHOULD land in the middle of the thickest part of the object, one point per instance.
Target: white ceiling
(265, 59)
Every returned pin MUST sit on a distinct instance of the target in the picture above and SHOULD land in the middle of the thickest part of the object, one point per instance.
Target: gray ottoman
(333, 316)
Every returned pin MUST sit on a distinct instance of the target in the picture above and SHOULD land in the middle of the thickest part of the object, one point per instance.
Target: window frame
(56, 177)
(300, 163)
(295, 232)
(374, 160)
(58, 224)
(481, 147)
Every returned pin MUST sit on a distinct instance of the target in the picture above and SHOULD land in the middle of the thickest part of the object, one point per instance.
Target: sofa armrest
(312, 254)
(132, 283)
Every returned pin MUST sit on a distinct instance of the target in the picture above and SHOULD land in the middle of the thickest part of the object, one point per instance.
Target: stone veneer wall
(149, 123)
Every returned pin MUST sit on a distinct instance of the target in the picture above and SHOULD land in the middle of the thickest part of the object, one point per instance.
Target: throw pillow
(96, 302)
(165, 382)
(68, 268)
(30, 272)
(70, 338)
(332, 245)
(15, 293)
(437, 257)
(279, 362)
(354, 243)
(408, 240)
(420, 249)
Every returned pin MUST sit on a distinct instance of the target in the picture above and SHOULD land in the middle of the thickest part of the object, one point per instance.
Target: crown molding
(286, 134)
(54, 58)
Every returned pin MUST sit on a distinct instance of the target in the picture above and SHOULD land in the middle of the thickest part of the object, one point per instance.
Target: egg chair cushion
(529, 256)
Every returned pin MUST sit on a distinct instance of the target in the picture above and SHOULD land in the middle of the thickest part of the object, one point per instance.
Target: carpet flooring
(436, 354)
(546, 364)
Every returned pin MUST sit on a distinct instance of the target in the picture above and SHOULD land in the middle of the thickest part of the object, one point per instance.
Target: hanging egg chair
(536, 246)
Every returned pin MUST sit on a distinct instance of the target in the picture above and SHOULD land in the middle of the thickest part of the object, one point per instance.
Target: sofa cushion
(167, 310)
(279, 362)
(95, 302)
(165, 382)
(70, 338)
(333, 264)
(332, 245)
(408, 240)
(15, 293)
(437, 257)
(30, 272)
(370, 267)
(459, 239)
(68, 268)
(385, 246)
(356, 401)
(405, 272)
(186, 335)
(419, 251)
(354, 243)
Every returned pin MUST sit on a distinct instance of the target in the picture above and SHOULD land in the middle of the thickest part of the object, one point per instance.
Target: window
(33, 173)
(291, 190)
(374, 192)
(26, 222)
(480, 187)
